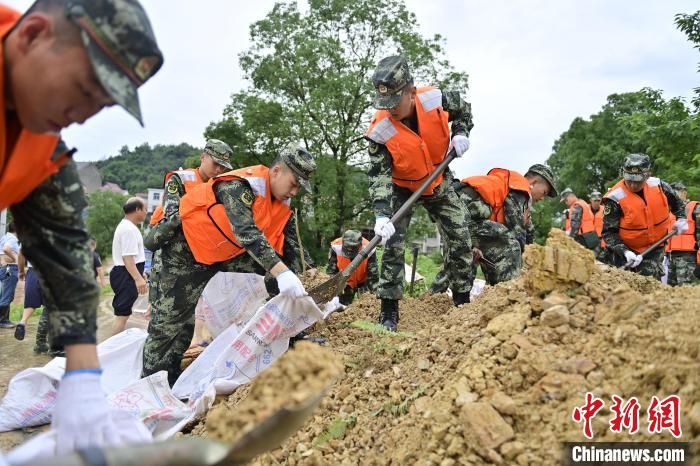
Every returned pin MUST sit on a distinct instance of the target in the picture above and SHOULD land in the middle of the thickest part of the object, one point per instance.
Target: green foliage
(374, 327)
(402, 408)
(589, 154)
(335, 430)
(16, 311)
(104, 214)
(310, 81)
(145, 166)
(690, 25)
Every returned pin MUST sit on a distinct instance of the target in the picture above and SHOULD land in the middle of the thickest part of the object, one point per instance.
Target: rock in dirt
(555, 316)
(484, 428)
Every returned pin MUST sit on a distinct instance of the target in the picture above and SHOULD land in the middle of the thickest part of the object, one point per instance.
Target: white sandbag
(31, 394)
(231, 298)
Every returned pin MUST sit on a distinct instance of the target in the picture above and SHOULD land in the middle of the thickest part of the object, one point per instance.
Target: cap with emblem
(352, 239)
(545, 172)
(121, 45)
(636, 167)
(565, 193)
(301, 163)
(220, 152)
(678, 186)
(595, 196)
(389, 79)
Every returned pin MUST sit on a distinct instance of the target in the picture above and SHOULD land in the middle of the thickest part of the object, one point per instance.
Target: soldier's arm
(332, 267)
(612, 214)
(675, 203)
(174, 190)
(460, 112)
(380, 186)
(292, 248)
(234, 196)
(516, 218)
(54, 239)
(372, 273)
(576, 217)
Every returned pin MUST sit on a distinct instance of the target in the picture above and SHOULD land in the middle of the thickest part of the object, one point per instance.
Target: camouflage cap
(595, 196)
(565, 193)
(545, 172)
(220, 152)
(389, 79)
(301, 163)
(678, 186)
(352, 239)
(636, 167)
(121, 45)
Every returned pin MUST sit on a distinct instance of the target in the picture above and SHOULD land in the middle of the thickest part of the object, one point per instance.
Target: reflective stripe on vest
(32, 158)
(587, 223)
(414, 156)
(190, 177)
(207, 227)
(494, 188)
(686, 240)
(642, 223)
(358, 277)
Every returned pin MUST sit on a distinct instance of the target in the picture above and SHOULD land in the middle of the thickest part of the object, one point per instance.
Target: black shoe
(460, 298)
(389, 314)
(20, 331)
(7, 324)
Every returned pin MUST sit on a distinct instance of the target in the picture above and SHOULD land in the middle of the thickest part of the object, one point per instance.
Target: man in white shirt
(126, 278)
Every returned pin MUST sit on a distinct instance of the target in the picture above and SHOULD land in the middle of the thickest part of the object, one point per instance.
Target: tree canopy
(103, 216)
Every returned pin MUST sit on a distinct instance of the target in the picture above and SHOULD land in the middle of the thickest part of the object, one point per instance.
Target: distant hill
(144, 167)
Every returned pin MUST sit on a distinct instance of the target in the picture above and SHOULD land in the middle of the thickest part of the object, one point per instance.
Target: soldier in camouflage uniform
(396, 146)
(214, 160)
(682, 250)
(637, 181)
(181, 279)
(350, 247)
(498, 246)
(580, 223)
(67, 60)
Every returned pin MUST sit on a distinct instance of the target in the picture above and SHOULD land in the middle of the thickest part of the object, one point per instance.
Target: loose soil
(496, 381)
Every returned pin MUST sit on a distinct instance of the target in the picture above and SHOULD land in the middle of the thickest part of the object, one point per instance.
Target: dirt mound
(497, 380)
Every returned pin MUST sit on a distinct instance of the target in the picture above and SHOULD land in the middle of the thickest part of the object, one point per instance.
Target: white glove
(333, 305)
(460, 144)
(82, 418)
(680, 225)
(384, 228)
(633, 259)
(290, 285)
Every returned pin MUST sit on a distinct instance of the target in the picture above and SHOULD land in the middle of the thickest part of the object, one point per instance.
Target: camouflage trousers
(174, 291)
(681, 268)
(447, 210)
(42, 333)
(499, 246)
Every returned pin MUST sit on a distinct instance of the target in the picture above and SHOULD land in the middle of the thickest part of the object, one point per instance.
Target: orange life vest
(494, 188)
(587, 222)
(29, 160)
(598, 222)
(207, 227)
(686, 240)
(359, 276)
(642, 223)
(414, 156)
(190, 177)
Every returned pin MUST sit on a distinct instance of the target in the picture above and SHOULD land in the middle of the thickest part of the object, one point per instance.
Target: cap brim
(386, 101)
(552, 191)
(304, 184)
(634, 176)
(115, 82)
(226, 165)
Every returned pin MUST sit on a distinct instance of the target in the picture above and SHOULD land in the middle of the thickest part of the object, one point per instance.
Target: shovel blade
(329, 289)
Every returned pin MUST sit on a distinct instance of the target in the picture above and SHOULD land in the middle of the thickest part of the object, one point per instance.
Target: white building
(155, 197)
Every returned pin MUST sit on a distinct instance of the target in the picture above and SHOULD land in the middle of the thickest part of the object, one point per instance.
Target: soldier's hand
(384, 228)
(141, 285)
(680, 225)
(478, 255)
(633, 260)
(290, 285)
(460, 144)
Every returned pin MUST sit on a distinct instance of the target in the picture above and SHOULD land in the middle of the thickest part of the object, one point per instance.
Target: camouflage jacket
(575, 221)
(379, 173)
(612, 214)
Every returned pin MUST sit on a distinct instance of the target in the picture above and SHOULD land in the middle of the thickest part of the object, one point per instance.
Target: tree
(105, 211)
(690, 25)
(309, 77)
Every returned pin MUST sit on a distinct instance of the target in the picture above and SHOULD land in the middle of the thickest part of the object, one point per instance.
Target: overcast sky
(534, 65)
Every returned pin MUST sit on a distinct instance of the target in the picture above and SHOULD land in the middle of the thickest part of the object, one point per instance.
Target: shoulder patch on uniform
(607, 209)
(373, 147)
(172, 188)
(247, 198)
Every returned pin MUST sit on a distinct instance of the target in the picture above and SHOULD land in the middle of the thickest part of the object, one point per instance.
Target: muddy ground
(496, 381)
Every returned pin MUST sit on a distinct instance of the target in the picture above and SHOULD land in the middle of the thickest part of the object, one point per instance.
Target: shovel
(336, 284)
(628, 265)
(191, 451)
